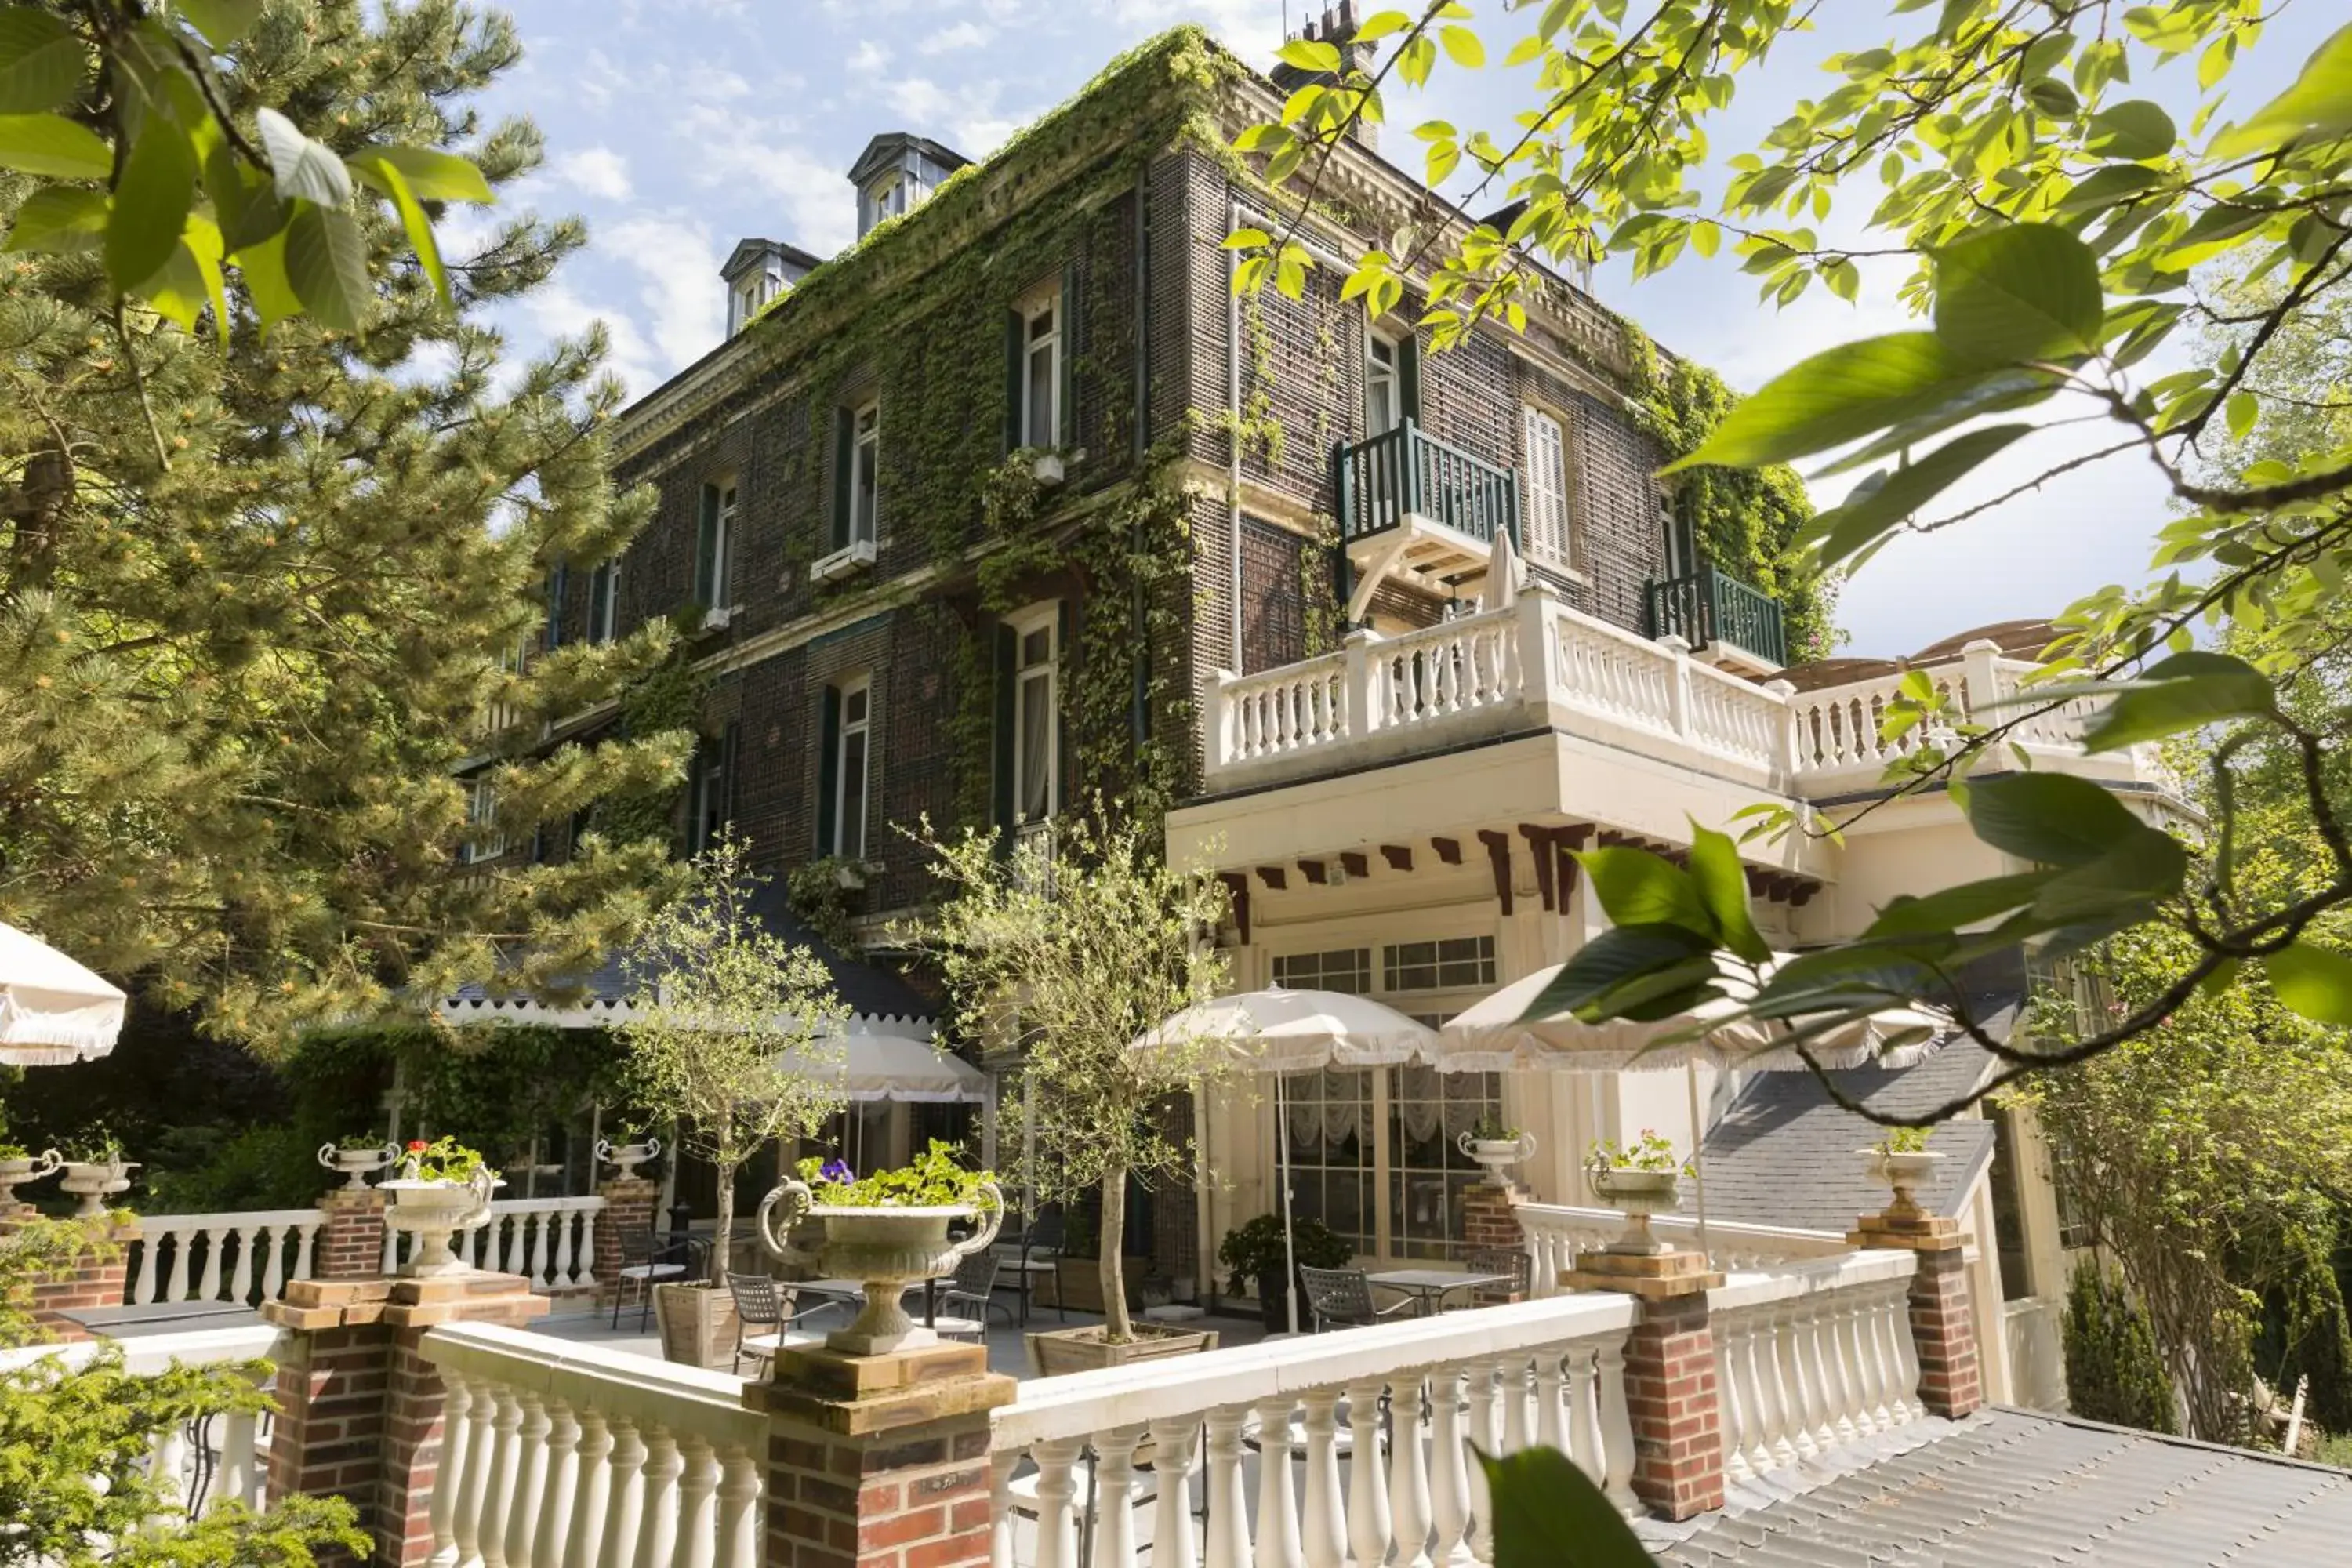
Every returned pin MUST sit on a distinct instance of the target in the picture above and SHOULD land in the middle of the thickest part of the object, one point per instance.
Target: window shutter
(1008, 653)
(1066, 431)
(828, 766)
(1064, 640)
(558, 582)
(727, 745)
(1409, 375)
(844, 462)
(1547, 481)
(1016, 333)
(706, 549)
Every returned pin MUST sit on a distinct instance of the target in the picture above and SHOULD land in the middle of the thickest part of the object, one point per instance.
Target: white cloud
(682, 293)
(965, 34)
(596, 171)
(966, 114)
(869, 58)
(1251, 28)
(557, 310)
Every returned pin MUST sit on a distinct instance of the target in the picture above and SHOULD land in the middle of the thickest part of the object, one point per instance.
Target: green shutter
(1409, 375)
(828, 766)
(1015, 336)
(706, 549)
(1008, 653)
(845, 459)
(1065, 639)
(1066, 432)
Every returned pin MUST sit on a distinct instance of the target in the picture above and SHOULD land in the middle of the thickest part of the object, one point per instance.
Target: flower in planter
(837, 1171)
(443, 1160)
(1651, 1151)
(934, 1180)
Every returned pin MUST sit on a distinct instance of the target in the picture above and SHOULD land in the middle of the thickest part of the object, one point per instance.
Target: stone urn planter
(1903, 1170)
(95, 1181)
(1637, 1194)
(626, 1158)
(888, 1250)
(18, 1168)
(1498, 1154)
(357, 1162)
(434, 1211)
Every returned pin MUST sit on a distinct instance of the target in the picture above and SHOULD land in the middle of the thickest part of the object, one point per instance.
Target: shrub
(2113, 1371)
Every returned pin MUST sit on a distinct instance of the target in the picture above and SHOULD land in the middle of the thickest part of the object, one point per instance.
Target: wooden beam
(1575, 834)
(1313, 871)
(1356, 863)
(1759, 882)
(1448, 850)
(1571, 870)
(1803, 893)
(1498, 854)
(1539, 843)
(1237, 888)
(1398, 856)
(1274, 877)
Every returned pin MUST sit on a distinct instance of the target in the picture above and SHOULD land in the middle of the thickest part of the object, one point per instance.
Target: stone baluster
(183, 1243)
(530, 1473)
(1793, 1380)
(1778, 1396)
(1449, 1472)
(273, 1263)
(452, 1472)
(1551, 1430)
(1114, 1545)
(248, 1242)
(1175, 1539)
(1480, 1394)
(1804, 1323)
(1763, 1380)
(1586, 1446)
(215, 1242)
(592, 1495)
(1228, 1545)
(1737, 1403)
(166, 1458)
(623, 1521)
(506, 1464)
(584, 1259)
(542, 1246)
(476, 1450)
(1278, 1507)
(1000, 1466)
(1616, 1430)
(1511, 1389)
(1408, 1475)
(657, 1522)
(1057, 1529)
(1851, 1311)
(560, 1275)
(698, 1503)
(1906, 1357)
(1323, 1514)
(1837, 1372)
(556, 1494)
(239, 1467)
(739, 1508)
(1368, 1490)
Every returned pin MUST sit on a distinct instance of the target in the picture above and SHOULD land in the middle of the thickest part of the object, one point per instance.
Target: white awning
(52, 1010)
(897, 1066)
(1280, 1031)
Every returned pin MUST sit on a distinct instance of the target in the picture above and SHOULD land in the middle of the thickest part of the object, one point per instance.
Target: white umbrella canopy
(1493, 1035)
(1279, 1031)
(52, 1010)
(1502, 589)
(896, 1066)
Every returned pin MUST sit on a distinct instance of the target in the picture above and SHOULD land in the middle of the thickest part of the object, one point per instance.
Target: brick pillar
(1490, 1218)
(93, 1276)
(351, 1243)
(363, 1411)
(880, 1461)
(628, 1205)
(1942, 1319)
(1670, 1384)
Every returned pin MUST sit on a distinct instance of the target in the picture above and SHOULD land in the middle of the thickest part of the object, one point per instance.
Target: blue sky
(677, 126)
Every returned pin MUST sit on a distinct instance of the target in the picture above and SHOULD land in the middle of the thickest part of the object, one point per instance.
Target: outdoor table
(854, 1290)
(162, 1318)
(1431, 1286)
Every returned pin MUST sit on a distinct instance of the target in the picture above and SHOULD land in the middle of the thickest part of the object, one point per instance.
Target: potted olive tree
(737, 1033)
(1059, 959)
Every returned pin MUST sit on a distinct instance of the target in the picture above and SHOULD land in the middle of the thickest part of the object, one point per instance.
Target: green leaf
(2187, 691)
(326, 262)
(2242, 409)
(1463, 47)
(51, 144)
(245, 200)
(1637, 887)
(2017, 292)
(60, 218)
(1548, 1515)
(1958, 906)
(2135, 127)
(434, 176)
(1722, 883)
(2320, 100)
(1873, 508)
(42, 61)
(2053, 818)
(2311, 981)
(305, 170)
(262, 264)
(1309, 54)
(151, 203)
(1619, 958)
(420, 231)
(1839, 395)
(1239, 239)
(2147, 866)
(222, 22)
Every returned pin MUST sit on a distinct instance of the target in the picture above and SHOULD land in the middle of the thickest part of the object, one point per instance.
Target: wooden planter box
(697, 1325)
(1053, 1352)
(1078, 1282)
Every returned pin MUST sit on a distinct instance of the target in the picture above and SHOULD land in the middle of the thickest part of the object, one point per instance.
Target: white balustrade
(2037, 1360)
(220, 1257)
(1812, 1357)
(574, 1456)
(552, 1242)
(1557, 1233)
(1351, 1447)
(1292, 709)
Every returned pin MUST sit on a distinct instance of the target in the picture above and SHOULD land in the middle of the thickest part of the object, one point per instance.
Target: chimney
(1338, 30)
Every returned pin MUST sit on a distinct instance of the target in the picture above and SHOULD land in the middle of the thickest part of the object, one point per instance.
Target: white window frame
(862, 730)
(865, 528)
(605, 602)
(1046, 303)
(1550, 508)
(1027, 681)
(481, 811)
(1391, 375)
(722, 540)
(709, 774)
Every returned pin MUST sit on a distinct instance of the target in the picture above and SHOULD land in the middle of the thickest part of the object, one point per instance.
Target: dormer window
(894, 192)
(895, 172)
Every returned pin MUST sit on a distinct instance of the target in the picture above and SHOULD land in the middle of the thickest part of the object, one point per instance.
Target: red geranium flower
(417, 1145)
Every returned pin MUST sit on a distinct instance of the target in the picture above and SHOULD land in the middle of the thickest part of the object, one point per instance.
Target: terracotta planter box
(1054, 1352)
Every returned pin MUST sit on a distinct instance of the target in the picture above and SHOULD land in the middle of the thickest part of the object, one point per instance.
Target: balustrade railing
(1557, 1233)
(1710, 605)
(1812, 1357)
(552, 1242)
(1346, 1446)
(220, 1257)
(567, 1456)
(1407, 469)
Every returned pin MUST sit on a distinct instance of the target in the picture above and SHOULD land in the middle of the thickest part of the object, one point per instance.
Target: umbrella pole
(1289, 1250)
(1699, 1157)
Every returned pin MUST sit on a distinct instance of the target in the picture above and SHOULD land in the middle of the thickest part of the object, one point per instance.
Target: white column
(1175, 1542)
(1278, 1506)
(1058, 1534)
(1906, 1357)
(1228, 1545)
(531, 1480)
(584, 1260)
(1324, 1528)
(248, 1242)
(214, 1240)
(739, 1509)
(542, 1247)
(177, 1287)
(1114, 1544)
(658, 1523)
(628, 1497)
(1449, 1468)
(273, 1272)
(506, 1465)
(1408, 1475)
(548, 1541)
(449, 1471)
(1585, 1443)
(479, 1452)
(591, 1494)
(697, 1506)
(1807, 1323)
(1368, 1491)
(1837, 1372)
(1511, 1389)
(238, 1473)
(560, 1273)
(1481, 1434)
(1550, 1430)
(1786, 1401)
(1733, 1399)
(1000, 1466)
(1616, 1430)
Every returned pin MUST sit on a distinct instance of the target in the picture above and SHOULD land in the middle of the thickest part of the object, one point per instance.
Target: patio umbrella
(1502, 588)
(52, 1009)
(1278, 1031)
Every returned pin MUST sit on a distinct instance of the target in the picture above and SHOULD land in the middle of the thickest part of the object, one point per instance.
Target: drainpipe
(1234, 436)
(1138, 717)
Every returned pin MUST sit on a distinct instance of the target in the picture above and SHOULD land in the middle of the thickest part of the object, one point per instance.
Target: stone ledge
(1912, 1233)
(1652, 1277)
(475, 1296)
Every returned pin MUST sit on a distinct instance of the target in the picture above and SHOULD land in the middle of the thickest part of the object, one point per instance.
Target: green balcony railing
(1708, 607)
(1409, 470)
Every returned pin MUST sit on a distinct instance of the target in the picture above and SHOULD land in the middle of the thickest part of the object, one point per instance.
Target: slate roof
(2014, 1489)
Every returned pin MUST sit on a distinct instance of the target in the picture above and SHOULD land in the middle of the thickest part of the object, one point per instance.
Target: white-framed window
(714, 572)
(865, 474)
(1383, 385)
(893, 194)
(707, 821)
(605, 602)
(853, 754)
(482, 812)
(1036, 713)
(1448, 964)
(1041, 371)
(1548, 530)
(1345, 969)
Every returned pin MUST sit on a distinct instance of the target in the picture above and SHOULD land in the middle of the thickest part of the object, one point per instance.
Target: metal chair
(974, 1285)
(759, 1302)
(645, 1262)
(1344, 1295)
(1511, 1260)
(1040, 1243)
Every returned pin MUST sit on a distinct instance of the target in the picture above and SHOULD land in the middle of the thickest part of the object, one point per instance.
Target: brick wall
(1672, 1396)
(1943, 1328)
(349, 1245)
(93, 1276)
(917, 1503)
(329, 1437)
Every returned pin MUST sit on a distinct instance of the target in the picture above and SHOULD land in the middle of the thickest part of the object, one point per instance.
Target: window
(751, 296)
(605, 602)
(710, 806)
(1035, 715)
(850, 773)
(1041, 373)
(1455, 964)
(1347, 969)
(481, 813)
(1383, 388)
(865, 467)
(1427, 1172)
(713, 570)
(1546, 489)
(559, 588)
(1681, 552)
(1331, 1122)
(893, 194)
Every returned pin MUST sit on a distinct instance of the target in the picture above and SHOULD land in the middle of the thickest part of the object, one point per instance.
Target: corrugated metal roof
(2013, 1489)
